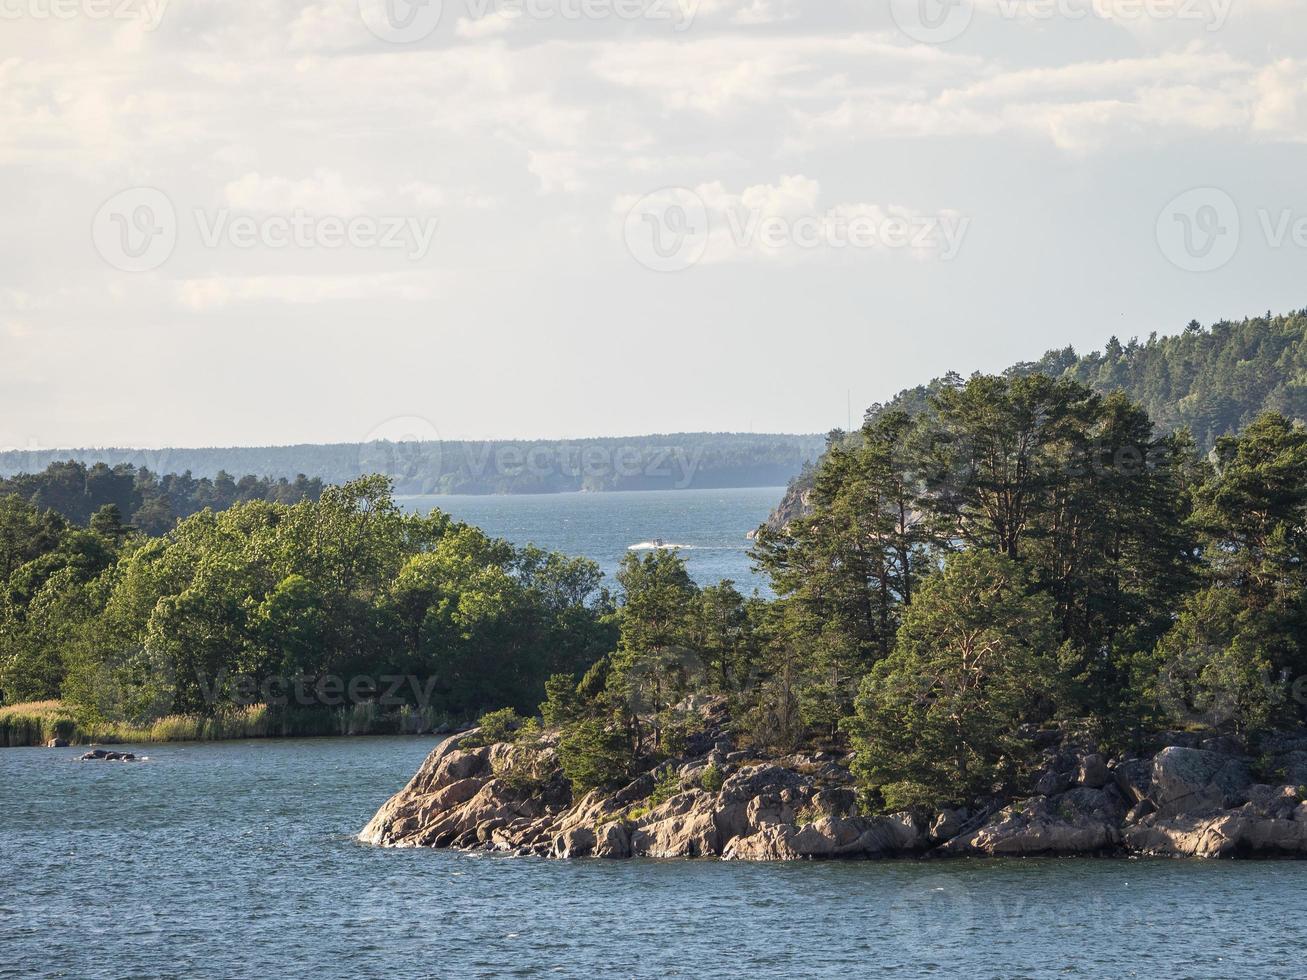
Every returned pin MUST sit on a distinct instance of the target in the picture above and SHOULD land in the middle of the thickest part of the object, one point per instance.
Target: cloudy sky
(295, 220)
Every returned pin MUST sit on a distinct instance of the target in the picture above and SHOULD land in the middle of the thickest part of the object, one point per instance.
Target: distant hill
(1212, 381)
(655, 462)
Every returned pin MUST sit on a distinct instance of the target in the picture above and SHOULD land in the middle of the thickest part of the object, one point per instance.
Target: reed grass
(36, 723)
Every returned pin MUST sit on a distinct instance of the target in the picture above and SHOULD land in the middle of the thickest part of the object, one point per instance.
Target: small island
(1014, 618)
(1194, 797)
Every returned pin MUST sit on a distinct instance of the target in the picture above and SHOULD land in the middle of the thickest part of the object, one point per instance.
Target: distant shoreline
(778, 488)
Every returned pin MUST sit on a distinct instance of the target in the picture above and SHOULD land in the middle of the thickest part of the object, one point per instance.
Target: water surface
(712, 525)
(238, 859)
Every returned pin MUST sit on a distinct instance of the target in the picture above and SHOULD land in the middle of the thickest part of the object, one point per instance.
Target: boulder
(1294, 766)
(1220, 835)
(1093, 771)
(898, 833)
(613, 840)
(684, 826)
(1193, 781)
(1185, 800)
(828, 837)
(947, 824)
(1051, 783)
(1134, 778)
(575, 843)
(753, 781)
(835, 801)
(771, 843)
(1080, 821)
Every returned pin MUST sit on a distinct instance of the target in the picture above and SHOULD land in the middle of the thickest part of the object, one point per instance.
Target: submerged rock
(104, 755)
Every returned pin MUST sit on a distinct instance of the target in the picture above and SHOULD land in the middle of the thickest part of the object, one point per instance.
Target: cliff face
(1189, 799)
(796, 503)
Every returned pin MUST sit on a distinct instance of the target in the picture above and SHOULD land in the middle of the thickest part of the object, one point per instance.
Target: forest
(1005, 553)
(1210, 381)
(1022, 552)
(125, 628)
(153, 504)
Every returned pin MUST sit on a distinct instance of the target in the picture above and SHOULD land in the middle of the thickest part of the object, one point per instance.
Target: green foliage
(1238, 643)
(937, 721)
(666, 785)
(983, 556)
(123, 498)
(674, 731)
(263, 601)
(712, 779)
(525, 771)
(562, 704)
(594, 754)
(495, 727)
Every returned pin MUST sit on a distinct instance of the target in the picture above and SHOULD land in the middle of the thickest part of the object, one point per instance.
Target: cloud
(324, 192)
(1281, 100)
(221, 291)
(558, 170)
(491, 24)
(790, 220)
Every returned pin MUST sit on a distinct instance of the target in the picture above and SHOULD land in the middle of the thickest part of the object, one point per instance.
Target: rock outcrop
(1198, 799)
(1083, 820)
(105, 755)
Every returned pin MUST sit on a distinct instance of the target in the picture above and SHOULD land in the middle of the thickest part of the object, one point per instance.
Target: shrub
(495, 726)
(667, 785)
(529, 733)
(810, 813)
(525, 771)
(673, 737)
(562, 705)
(712, 778)
(593, 755)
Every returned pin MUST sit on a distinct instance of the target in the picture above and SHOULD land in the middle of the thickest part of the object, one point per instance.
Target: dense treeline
(1015, 553)
(423, 464)
(1210, 381)
(1018, 553)
(331, 602)
(151, 503)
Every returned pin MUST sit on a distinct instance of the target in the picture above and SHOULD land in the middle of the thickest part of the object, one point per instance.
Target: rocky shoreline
(1192, 797)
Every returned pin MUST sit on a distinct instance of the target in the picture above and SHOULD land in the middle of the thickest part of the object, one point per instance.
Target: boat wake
(659, 545)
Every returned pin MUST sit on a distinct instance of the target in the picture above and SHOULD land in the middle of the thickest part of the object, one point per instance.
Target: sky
(321, 220)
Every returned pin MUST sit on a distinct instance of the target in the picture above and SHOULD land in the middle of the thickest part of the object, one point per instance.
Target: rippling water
(711, 524)
(238, 859)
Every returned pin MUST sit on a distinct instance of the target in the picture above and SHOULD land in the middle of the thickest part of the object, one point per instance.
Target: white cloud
(791, 221)
(1281, 103)
(559, 170)
(222, 291)
(491, 24)
(324, 192)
